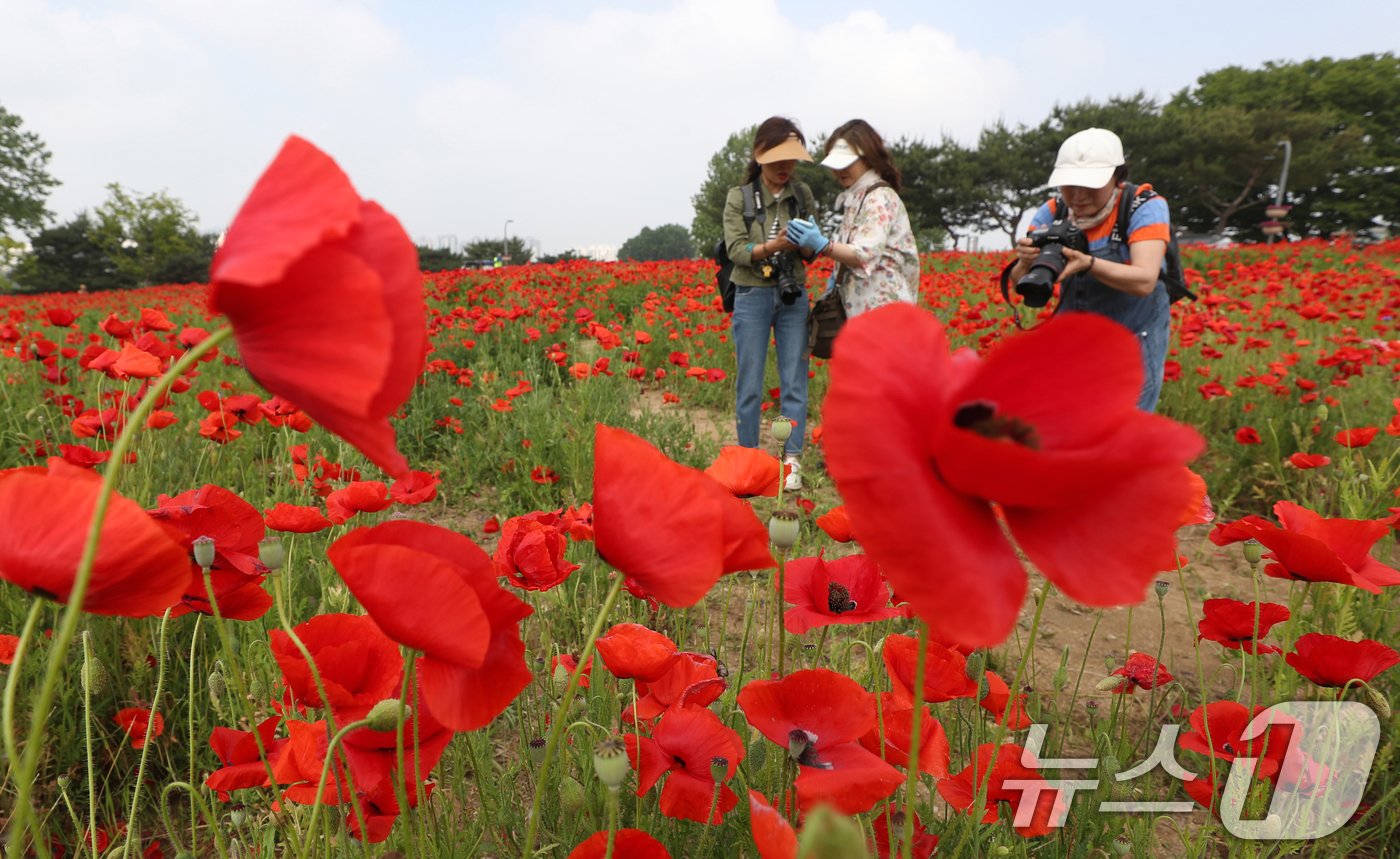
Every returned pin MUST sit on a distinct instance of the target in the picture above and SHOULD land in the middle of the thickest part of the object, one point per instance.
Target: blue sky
(580, 122)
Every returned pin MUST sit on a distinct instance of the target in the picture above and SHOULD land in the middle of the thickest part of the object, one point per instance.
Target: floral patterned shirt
(875, 224)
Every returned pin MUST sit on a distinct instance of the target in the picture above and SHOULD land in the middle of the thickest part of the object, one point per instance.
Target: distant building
(598, 253)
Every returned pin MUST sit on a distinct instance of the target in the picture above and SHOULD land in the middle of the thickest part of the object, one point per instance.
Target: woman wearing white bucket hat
(1121, 274)
(877, 259)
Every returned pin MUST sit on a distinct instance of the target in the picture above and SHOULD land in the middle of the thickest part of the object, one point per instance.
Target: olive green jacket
(741, 242)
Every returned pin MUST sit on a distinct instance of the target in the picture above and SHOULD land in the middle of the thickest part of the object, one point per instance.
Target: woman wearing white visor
(877, 260)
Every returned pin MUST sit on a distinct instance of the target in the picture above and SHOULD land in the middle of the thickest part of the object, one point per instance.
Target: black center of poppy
(838, 598)
(678, 761)
(981, 417)
(40, 592)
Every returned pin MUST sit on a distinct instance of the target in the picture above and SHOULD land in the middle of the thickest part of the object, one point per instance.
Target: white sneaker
(793, 483)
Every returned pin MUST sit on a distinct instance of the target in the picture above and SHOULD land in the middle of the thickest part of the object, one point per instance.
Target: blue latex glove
(806, 235)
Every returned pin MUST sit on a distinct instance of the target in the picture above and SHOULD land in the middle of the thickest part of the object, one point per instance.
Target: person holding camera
(877, 260)
(770, 283)
(1103, 266)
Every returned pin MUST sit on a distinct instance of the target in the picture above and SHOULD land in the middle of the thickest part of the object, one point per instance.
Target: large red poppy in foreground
(141, 566)
(922, 443)
(325, 296)
(435, 590)
(673, 529)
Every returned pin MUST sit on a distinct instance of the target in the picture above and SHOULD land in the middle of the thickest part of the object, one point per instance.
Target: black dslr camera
(1035, 288)
(792, 277)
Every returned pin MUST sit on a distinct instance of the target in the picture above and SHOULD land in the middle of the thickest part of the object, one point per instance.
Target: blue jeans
(1154, 359)
(759, 314)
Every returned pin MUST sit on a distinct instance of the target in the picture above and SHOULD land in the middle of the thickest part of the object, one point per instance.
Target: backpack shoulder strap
(1133, 197)
(751, 204)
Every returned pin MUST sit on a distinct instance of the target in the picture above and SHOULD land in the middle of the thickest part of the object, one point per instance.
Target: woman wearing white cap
(769, 277)
(1121, 275)
(877, 259)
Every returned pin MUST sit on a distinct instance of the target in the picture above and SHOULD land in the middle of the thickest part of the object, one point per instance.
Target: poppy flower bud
(976, 663)
(1001, 850)
(758, 754)
(384, 716)
(218, 685)
(257, 688)
(1109, 683)
(1322, 411)
(203, 551)
(1378, 702)
(560, 677)
(782, 428)
(571, 796)
(784, 529)
(610, 762)
(1161, 588)
(829, 834)
(271, 553)
(95, 677)
(1253, 552)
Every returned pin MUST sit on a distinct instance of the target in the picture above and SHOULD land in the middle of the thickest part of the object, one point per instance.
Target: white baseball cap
(842, 155)
(1088, 159)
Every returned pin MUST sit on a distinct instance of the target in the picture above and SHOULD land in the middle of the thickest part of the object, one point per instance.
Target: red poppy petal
(832, 706)
(772, 834)
(627, 844)
(856, 781)
(631, 650)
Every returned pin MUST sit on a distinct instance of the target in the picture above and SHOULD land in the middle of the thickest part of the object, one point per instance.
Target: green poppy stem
(911, 787)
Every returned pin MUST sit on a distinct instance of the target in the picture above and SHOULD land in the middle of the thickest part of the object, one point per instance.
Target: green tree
(151, 238)
(66, 257)
(940, 190)
(25, 182)
(670, 241)
(485, 251)
(1008, 172)
(569, 255)
(439, 259)
(727, 168)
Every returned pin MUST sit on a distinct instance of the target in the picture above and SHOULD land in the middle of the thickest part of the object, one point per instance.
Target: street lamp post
(1278, 209)
(505, 242)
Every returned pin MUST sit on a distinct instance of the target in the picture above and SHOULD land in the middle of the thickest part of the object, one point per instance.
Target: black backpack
(753, 211)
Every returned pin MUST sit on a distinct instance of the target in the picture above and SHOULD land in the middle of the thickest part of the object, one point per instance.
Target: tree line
(1214, 150)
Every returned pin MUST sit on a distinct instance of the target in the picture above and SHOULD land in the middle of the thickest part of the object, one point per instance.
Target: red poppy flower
(435, 590)
(1231, 623)
(141, 566)
(238, 752)
(673, 529)
(1333, 662)
(627, 844)
(631, 650)
(379, 806)
(747, 472)
(1309, 460)
(692, 679)
(359, 665)
(1198, 510)
(1141, 672)
(295, 519)
(359, 496)
(1248, 435)
(1356, 436)
(239, 598)
(136, 720)
(772, 834)
(530, 554)
(848, 590)
(836, 524)
(1013, 764)
(819, 716)
(888, 825)
(690, 743)
(300, 764)
(233, 524)
(325, 296)
(945, 670)
(920, 442)
(417, 487)
(996, 703)
(894, 731)
(1314, 549)
(1227, 721)
(8, 645)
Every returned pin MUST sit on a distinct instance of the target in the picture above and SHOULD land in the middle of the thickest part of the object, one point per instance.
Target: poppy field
(331, 556)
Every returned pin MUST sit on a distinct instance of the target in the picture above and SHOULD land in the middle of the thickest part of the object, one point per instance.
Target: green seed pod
(1253, 552)
(1121, 845)
(610, 762)
(829, 834)
(203, 551)
(781, 428)
(271, 553)
(1161, 588)
(784, 529)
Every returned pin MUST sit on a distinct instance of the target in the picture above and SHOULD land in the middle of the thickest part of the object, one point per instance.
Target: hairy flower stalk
(131, 820)
(23, 816)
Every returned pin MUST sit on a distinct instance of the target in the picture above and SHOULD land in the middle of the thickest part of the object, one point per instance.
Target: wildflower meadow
(330, 556)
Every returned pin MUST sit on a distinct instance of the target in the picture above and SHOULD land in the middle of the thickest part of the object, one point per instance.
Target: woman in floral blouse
(878, 262)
